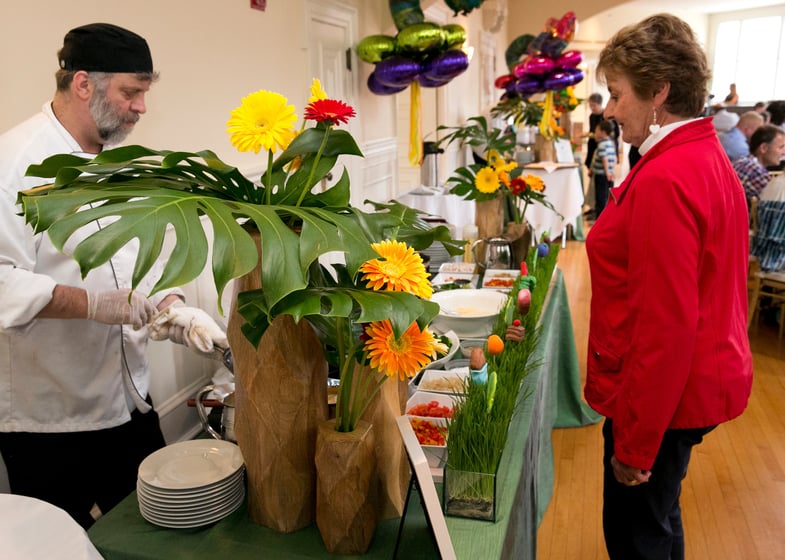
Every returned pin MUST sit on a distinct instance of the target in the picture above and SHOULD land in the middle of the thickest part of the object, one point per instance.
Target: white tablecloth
(31, 529)
(452, 208)
(563, 189)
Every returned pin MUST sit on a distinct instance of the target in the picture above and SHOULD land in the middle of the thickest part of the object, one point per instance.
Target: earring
(654, 128)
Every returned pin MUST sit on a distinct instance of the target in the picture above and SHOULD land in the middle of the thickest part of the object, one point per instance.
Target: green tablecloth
(525, 485)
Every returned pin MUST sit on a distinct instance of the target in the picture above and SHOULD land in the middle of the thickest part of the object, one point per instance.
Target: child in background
(603, 164)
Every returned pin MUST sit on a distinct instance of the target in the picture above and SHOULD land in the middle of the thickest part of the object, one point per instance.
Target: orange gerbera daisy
(331, 111)
(403, 357)
(400, 269)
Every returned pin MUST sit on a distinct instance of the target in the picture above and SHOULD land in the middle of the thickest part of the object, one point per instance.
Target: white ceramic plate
(195, 521)
(191, 464)
(451, 277)
(499, 279)
(455, 344)
(185, 513)
(188, 494)
(450, 382)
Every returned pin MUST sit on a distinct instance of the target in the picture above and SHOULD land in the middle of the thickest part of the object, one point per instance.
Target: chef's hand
(191, 327)
(116, 308)
(627, 475)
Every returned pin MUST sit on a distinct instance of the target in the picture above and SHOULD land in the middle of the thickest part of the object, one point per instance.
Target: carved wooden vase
(280, 399)
(347, 487)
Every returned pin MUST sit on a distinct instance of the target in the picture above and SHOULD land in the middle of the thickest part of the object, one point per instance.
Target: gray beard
(110, 125)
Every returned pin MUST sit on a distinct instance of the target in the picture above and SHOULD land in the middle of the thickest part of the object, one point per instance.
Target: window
(750, 53)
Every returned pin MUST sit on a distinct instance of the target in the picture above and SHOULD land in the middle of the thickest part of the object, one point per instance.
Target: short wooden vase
(347, 487)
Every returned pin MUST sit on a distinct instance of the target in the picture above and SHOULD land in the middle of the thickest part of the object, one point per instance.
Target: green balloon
(375, 48)
(420, 37)
(454, 35)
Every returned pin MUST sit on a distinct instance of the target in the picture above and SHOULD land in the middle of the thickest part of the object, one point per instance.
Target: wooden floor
(733, 498)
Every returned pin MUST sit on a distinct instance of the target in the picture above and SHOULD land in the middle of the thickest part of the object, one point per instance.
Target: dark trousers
(76, 470)
(644, 522)
(602, 189)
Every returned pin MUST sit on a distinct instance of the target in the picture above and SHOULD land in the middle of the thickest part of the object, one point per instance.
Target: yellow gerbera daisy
(317, 93)
(506, 167)
(399, 270)
(493, 157)
(263, 120)
(403, 357)
(487, 181)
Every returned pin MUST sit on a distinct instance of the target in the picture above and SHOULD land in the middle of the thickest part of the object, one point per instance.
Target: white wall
(210, 54)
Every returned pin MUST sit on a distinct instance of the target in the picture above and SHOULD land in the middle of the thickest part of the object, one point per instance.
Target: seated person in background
(776, 110)
(769, 241)
(731, 99)
(724, 120)
(735, 141)
(767, 147)
(760, 107)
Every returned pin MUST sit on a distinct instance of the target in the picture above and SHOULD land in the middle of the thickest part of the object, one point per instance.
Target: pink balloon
(539, 65)
(569, 59)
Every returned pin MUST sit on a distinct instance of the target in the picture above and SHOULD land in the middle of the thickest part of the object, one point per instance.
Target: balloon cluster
(540, 64)
(423, 51)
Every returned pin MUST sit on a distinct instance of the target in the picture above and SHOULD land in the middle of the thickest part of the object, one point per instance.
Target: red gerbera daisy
(329, 110)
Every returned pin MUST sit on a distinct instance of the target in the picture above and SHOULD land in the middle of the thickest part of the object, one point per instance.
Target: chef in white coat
(76, 418)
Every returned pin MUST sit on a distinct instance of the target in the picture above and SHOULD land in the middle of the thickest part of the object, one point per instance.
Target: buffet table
(455, 210)
(564, 190)
(525, 481)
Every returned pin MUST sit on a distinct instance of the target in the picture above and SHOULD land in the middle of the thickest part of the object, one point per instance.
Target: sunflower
(331, 111)
(263, 120)
(403, 357)
(317, 92)
(487, 181)
(399, 270)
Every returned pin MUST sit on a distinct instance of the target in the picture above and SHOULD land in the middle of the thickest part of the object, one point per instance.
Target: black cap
(103, 47)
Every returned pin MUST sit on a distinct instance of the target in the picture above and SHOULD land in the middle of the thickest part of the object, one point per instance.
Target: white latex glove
(200, 332)
(163, 329)
(115, 308)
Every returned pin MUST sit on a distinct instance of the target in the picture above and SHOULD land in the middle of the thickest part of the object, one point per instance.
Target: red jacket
(668, 344)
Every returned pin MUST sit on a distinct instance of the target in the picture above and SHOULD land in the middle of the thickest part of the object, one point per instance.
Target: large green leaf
(138, 194)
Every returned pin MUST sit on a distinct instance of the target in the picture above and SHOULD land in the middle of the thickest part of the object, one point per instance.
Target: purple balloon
(569, 59)
(576, 74)
(396, 71)
(557, 81)
(528, 85)
(445, 65)
(380, 89)
(428, 82)
(538, 65)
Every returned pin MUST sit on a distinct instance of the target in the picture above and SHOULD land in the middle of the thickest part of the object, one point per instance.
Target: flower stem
(318, 156)
(268, 191)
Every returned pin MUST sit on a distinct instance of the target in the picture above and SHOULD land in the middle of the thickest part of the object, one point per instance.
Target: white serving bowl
(455, 344)
(469, 313)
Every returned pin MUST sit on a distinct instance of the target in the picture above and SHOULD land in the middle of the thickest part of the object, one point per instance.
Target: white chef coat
(58, 375)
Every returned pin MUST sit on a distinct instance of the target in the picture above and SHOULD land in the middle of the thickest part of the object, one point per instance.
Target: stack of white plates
(191, 483)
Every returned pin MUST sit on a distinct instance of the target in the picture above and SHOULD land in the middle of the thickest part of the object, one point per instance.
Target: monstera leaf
(139, 193)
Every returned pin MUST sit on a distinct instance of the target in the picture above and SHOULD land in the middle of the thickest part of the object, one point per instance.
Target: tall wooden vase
(392, 463)
(520, 236)
(280, 399)
(489, 217)
(346, 508)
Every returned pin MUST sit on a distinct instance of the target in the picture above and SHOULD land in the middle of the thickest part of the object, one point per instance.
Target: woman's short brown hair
(660, 49)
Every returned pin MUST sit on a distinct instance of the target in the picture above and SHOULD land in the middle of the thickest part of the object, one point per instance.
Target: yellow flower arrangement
(369, 311)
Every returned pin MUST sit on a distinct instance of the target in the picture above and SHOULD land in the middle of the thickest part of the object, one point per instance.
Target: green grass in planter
(476, 438)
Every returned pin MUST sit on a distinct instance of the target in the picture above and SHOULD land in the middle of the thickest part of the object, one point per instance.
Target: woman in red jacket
(668, 357)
